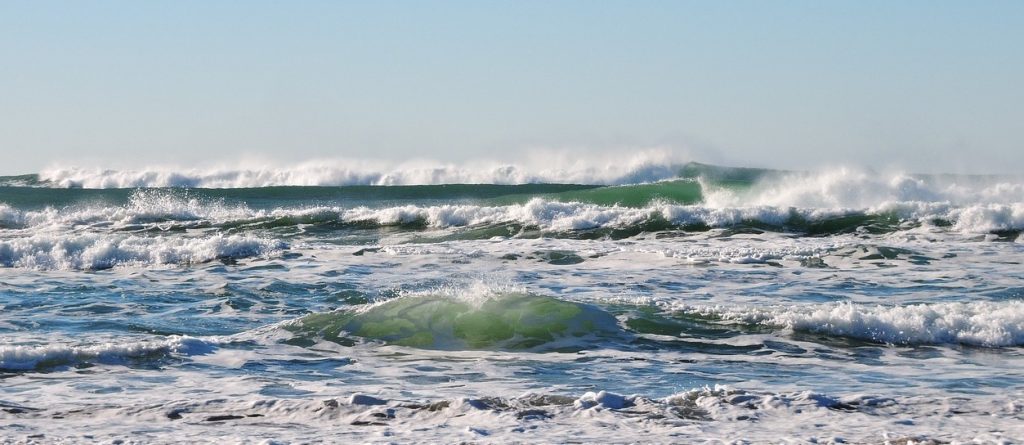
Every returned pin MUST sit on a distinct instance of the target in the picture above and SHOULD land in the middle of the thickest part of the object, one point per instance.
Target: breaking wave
(979, 323)
(161, 212)
(93, 251)
(26, 358)
(461, 320)
(647, 166)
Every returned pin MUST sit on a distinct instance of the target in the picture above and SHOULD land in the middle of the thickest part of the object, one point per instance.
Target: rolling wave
(33, 220)
(93, 251)
(647, 166)
(862, 189)
(977, 323)
(162, 212)
(24, 358)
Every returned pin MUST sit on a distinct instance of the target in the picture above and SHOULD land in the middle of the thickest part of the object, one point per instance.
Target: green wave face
(14, 191)
(640, 195)
(29, 191)
(506, 322)
(726, 175)
(686, 190)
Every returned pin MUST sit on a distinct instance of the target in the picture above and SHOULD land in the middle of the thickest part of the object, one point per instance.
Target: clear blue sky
(926, 85)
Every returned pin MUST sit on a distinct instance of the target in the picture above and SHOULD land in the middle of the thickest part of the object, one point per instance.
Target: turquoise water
(715, 303)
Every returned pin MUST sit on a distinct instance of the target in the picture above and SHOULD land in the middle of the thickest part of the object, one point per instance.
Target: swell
(511, 321)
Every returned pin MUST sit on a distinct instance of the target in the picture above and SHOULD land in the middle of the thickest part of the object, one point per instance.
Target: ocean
(649, 302)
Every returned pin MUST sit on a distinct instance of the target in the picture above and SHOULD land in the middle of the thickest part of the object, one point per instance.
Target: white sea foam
(10, 216)
(555, 215)
(143, 207)
(987, 218)
(31, 357)
(101, 251)
(738, 253)
(978, 323)
(564, 216)
(644, 166)
(718, 413)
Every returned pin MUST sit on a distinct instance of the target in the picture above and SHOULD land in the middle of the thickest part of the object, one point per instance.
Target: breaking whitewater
(635, 301)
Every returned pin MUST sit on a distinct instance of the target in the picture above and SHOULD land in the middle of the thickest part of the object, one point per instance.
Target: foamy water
(707, 305)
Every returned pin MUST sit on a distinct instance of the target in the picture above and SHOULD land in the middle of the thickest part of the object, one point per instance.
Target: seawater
(652, 302)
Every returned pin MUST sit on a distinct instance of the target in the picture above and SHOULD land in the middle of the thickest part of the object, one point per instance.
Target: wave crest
(645, 166)
(102, 251)
(981, 323)
(24, 358)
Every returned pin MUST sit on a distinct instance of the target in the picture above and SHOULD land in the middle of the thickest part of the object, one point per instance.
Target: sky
(930, 86)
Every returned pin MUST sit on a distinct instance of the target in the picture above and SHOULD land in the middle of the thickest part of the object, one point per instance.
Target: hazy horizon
(928, 87)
